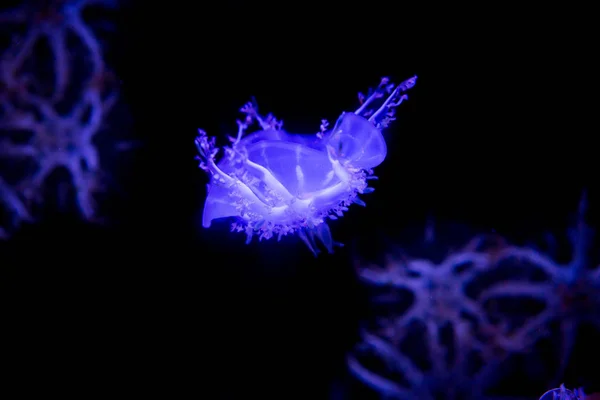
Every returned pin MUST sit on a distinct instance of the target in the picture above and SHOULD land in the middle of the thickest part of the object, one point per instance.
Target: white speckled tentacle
(271, 182)
(244, 191)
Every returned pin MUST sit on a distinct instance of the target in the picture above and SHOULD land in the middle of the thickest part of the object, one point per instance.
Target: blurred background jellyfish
(488, 320)
(56, 93)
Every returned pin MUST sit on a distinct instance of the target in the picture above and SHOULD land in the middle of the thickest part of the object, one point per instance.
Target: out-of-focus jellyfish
(56, 92)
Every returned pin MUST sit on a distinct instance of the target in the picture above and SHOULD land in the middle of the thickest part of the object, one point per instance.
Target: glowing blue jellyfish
(275, 183)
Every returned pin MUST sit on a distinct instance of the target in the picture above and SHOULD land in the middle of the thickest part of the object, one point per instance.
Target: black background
(490, 137)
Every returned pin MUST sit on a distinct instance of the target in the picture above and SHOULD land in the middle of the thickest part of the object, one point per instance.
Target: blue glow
(274, 183)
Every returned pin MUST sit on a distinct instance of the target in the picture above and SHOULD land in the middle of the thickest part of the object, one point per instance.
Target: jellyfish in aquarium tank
(272, 183)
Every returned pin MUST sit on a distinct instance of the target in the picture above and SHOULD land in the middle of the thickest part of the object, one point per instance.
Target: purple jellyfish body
(274, 183)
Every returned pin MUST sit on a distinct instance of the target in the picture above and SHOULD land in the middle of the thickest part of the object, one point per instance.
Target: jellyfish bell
(357, 141)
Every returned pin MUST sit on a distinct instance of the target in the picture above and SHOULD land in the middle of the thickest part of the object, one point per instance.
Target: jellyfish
(272, 183)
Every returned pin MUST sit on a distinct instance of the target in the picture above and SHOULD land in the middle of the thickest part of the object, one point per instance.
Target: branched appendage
(384, 114)
(207, 148)
(323, 127)
(242, 126)
(59, 139)
(251, 111)
(441, 301)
